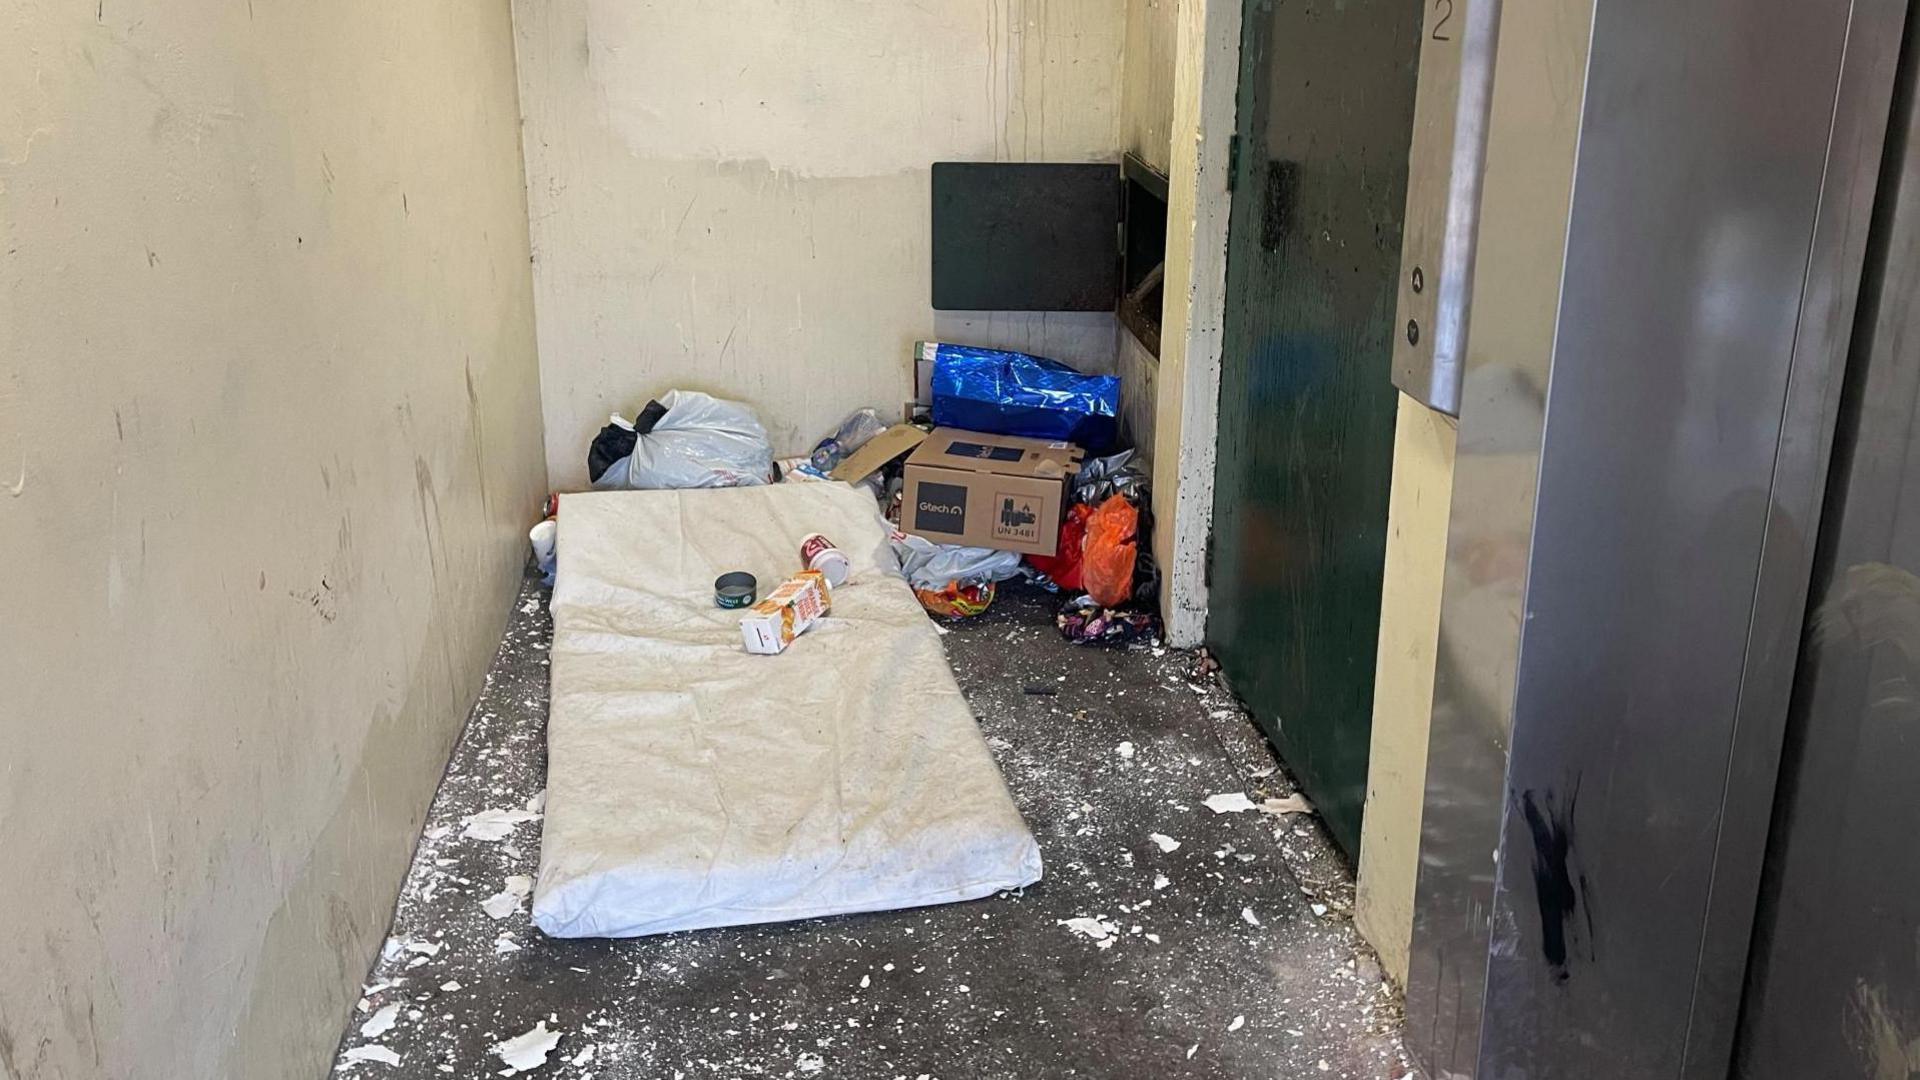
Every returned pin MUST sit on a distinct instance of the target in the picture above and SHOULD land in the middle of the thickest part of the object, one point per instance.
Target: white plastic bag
(701, 442)
(928, 565)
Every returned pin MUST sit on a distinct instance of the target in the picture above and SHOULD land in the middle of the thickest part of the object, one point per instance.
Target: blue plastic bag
(1010, 393)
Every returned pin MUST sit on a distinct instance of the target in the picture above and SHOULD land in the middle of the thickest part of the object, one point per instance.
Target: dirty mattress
(692, 785)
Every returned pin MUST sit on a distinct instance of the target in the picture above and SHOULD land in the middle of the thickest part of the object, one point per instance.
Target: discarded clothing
(1084, 622)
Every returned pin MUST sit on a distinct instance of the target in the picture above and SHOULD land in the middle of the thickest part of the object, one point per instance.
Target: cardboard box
(894, 442)
(990, 491)
(770, 626)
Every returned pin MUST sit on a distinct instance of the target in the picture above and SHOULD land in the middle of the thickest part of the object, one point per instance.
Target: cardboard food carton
(990, 491)
(788, 611)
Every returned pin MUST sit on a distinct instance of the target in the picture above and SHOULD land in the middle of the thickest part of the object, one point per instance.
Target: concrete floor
(1235, 955)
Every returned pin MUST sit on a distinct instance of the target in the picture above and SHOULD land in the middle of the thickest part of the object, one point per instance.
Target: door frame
(1206, 85)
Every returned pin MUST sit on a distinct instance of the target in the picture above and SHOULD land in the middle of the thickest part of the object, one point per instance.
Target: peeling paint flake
(494, 825)
(510, 899)
(381, 1022)
(374, 1053)
(527, 1051)
(1098, 930)
(1233, 802)
(1292, 804)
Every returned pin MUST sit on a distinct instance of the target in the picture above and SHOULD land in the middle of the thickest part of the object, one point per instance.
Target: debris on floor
(529, 1051)
(1234, 802)
(1084, 621)
(1179, 984)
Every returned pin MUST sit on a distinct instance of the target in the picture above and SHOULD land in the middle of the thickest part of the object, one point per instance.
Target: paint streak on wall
(269, 437)
(733, 196)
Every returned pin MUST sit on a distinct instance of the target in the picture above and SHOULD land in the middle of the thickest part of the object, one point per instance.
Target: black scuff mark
(1282, 200)
(9, 1060)
(1560, 888)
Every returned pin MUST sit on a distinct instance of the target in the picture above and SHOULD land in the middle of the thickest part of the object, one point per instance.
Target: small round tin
(736, 590)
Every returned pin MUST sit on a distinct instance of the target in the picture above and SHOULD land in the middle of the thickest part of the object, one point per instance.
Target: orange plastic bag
(1064, 566)
(1109, 552)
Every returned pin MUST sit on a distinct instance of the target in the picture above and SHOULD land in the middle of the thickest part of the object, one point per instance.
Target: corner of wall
(1206, 80)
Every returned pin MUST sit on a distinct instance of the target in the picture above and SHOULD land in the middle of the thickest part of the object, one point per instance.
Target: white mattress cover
(691, 784)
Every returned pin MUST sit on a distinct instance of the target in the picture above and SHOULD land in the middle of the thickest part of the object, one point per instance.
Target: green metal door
(1306, 406)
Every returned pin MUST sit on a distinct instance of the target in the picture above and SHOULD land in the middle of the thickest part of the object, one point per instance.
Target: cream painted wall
(1146, 101)
(1417, 513)
(733, 196)
(1138, 369)
(269, 437)
(1146, 118)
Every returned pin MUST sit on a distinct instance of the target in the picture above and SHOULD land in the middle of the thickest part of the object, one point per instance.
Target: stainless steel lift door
(1674, 211)
(1835, 983)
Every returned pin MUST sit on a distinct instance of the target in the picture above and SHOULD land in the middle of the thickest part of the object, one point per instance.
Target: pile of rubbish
(987, 478)
(685, 439)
